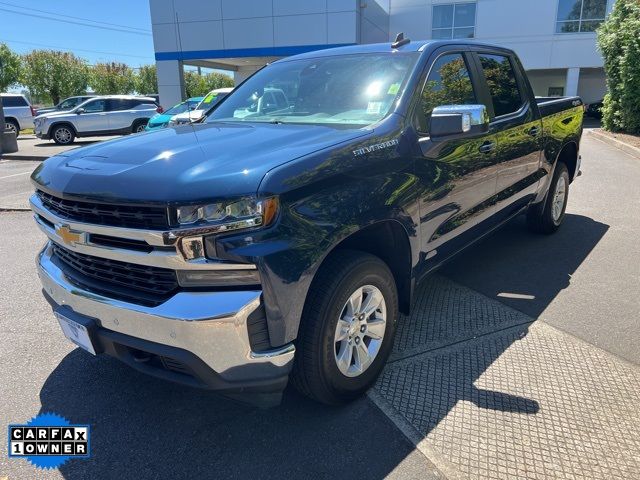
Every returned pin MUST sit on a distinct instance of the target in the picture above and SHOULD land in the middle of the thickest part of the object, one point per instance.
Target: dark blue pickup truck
(281, 236)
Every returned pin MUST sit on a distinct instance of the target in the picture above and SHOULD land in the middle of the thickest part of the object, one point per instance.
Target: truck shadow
(523, 270)
(147, 428)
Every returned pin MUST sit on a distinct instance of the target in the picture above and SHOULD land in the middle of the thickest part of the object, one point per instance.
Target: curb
(14, 209)
(30, 158)
(625, 147)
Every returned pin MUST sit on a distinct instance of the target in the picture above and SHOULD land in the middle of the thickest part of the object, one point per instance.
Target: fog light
(192, 248)
(218, 278)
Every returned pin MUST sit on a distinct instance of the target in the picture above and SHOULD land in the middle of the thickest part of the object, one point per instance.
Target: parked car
(18, 112)
(161, 120)
(244, 250)
(210, 100)
(105, 115)
(64, 105)
(594, 110)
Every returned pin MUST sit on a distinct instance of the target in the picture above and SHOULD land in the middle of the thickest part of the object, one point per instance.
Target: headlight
(221, 217)
(248, 212)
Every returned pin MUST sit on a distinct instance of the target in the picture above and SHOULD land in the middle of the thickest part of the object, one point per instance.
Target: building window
(580, 15)
(556, 91)
(454, 20)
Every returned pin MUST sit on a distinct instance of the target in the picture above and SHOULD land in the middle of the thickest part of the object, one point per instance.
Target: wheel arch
(8, 118)
(61, 122)
(138, 121)
(389, 241)
(569, 156)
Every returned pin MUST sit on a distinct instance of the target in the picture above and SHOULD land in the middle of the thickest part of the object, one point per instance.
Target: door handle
(487, 147)
(534, 131)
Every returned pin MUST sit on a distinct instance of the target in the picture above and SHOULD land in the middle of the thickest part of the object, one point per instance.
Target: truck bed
(550, 105)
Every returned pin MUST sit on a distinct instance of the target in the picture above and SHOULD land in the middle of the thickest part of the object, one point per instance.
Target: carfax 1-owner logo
(49, 440)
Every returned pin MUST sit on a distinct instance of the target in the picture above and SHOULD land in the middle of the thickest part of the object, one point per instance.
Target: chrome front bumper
(210, 325)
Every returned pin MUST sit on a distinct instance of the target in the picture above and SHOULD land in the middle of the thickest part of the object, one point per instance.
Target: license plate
(75, 332)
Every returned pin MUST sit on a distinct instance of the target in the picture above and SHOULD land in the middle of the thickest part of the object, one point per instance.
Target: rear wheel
(138, 126)
(12, 126)
(63, 134)
(546, 217)
(347, 328)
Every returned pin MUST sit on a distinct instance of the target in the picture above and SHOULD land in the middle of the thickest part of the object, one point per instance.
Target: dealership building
(555, 39)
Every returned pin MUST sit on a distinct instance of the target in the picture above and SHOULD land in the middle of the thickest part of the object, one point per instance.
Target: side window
(448, 83)
(117, 104)
(95, 106)
(14, 101)
(502, 83)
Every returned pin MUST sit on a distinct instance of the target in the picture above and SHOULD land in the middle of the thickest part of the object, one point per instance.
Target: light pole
(8, 140)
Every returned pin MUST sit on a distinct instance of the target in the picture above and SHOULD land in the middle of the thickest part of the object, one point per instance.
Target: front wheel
(547, 216)
(347, 328)
(63, 135)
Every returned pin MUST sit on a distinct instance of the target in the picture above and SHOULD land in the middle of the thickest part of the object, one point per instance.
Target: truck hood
(183, 165)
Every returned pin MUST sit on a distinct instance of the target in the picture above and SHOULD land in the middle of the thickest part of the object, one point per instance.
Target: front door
(94, 118)
(458, 177)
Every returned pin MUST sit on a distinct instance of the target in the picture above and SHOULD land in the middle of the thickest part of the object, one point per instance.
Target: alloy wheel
(559, 198)
(63, 135)
(360, 330)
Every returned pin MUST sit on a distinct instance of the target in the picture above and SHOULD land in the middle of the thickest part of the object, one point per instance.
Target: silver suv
(99, 116)
(18, 112)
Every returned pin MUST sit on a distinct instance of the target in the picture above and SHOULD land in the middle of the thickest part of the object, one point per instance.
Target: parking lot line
(15, 175)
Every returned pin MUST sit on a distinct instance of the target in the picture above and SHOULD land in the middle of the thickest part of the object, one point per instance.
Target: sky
(124, 33)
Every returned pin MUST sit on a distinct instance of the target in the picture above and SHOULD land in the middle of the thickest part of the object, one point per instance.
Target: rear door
(120, 114)
(94, 118)
(516, 123)
(458, 176)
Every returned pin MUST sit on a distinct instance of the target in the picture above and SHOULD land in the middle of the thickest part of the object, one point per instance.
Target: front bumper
(204, 332)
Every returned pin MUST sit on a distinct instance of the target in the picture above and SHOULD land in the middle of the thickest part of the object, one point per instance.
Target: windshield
(70, 103)
(210, 100)
(352, 90)
(181, 108)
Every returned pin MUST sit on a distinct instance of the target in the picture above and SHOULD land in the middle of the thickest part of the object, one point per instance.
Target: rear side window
(502, 83)
(116, 104)
(14, 102)
(448, 83)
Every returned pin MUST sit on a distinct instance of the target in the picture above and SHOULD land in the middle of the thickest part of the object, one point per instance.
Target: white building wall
(212, 29)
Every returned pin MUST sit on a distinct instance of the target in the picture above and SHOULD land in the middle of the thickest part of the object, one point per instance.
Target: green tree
(112, 79)
(147, 80)
(216, 80)
(619, 42)
(10, 66)
(199, 85)
(54, 74)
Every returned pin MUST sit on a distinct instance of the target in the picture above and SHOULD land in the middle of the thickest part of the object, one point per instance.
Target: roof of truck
(412, 46)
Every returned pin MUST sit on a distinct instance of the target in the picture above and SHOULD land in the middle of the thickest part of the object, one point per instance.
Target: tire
(317, 372)
(139, 126)
(547, 216)
(12, 126)
(63, 134)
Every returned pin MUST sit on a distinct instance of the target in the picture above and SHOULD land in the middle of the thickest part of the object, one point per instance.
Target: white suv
(18, 112)
(99, 116)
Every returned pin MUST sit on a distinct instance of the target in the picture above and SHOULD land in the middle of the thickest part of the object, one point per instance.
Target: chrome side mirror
(80, 110)
(458, 121)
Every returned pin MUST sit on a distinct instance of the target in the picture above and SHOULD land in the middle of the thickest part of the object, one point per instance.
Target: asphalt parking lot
(521, 360)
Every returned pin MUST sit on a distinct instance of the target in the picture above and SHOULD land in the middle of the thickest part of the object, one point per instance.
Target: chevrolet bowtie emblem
(69, 236)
